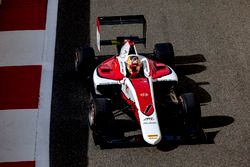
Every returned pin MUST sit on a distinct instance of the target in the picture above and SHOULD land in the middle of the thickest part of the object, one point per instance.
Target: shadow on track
(68, 136)
(188, 65)
(207, 123)
(211, 122)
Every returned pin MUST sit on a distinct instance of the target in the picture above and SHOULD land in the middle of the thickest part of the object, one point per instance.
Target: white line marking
(43, 123)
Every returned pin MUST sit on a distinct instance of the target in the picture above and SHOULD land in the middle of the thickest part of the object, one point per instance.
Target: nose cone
(150, 128)
(152, 139)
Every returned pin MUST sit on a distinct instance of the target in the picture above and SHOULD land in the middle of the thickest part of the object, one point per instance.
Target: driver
(133, 65)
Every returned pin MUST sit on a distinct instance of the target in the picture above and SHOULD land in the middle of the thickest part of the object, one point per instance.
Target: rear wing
(119, 20)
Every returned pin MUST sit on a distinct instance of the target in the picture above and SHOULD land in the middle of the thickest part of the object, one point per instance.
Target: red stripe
(98, 24)
(19, 87)
(23, 15)
(18, 164)
(144, 96)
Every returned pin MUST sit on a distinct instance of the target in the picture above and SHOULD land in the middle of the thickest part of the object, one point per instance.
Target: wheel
(84, 59)
(164, 52)
(192, 114)
(99, 113)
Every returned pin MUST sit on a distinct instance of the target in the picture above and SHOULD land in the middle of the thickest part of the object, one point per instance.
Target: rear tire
(164, 52)
(84, 60)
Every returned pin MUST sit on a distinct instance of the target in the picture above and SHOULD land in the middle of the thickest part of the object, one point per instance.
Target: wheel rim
(76, 60)
(183, 105)
(91, 114)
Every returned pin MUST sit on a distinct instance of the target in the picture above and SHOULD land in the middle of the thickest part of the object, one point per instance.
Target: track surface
(211, 41)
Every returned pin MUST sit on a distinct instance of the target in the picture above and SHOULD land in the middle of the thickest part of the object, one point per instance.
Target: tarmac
(211, 41)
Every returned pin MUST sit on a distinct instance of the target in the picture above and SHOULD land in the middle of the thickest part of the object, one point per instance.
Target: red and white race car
(143, 86)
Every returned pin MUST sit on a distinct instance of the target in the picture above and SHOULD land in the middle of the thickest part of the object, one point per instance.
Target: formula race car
(142, 86)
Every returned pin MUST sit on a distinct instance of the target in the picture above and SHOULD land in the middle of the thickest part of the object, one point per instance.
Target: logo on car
(144, 94)
(149, 119)
(153, 136)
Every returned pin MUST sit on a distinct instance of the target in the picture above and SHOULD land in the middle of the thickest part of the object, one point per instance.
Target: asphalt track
(211, 41)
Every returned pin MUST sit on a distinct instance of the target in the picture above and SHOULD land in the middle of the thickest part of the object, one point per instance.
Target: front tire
(99, 112)
(98, 117)
(164, 52)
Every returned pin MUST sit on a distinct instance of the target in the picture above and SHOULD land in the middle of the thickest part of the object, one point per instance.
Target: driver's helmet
(133, 65)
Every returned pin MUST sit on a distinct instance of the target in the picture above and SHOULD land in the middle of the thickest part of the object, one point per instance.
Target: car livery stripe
(98, 37)
(98, 24)
(143, 92)
(149, 124)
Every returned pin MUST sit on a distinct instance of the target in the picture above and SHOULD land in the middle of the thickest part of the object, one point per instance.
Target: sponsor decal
(107, 83)
(153, 136)
(124, 52)
(148, 123)
(149, 120)
(122, 68)
(144, 94)
(148, 108)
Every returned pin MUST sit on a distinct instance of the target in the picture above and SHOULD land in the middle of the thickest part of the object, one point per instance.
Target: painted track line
(43, 123)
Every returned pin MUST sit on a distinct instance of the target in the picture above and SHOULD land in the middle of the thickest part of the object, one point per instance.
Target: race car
(142, 86)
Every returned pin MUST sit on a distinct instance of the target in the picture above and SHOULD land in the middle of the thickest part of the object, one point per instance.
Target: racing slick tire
(192, 116)
(164, 52)
(99, 114)
(84, 59)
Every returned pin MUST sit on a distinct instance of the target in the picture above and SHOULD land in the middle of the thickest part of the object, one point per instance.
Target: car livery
(143, 86)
